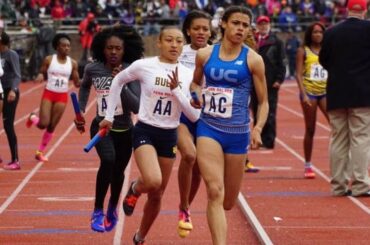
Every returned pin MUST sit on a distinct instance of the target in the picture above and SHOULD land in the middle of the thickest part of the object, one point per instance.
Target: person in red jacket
(87, 28)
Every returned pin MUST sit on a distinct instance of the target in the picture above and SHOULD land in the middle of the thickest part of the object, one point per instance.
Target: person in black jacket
(345, 55)
(272, 50)
(113, 49)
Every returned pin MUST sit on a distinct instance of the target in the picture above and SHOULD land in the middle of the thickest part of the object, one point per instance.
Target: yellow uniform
(314, 75)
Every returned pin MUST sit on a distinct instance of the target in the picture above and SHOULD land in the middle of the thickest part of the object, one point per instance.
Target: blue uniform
(226, 98)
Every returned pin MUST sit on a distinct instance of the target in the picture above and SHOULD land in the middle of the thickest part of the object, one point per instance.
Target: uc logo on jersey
(222, 74)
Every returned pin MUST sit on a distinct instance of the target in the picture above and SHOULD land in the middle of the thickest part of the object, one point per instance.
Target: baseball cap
(357, 5)
(263, 18)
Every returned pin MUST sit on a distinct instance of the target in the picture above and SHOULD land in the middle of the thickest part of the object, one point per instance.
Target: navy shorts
(164, 141)
(192, 127)
(313, 97)
(230, 143)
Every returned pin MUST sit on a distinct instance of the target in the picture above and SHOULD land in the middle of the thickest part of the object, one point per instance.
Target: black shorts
(164, 141)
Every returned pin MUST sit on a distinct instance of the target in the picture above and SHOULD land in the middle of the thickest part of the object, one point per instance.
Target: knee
(188, 158)
(215, 192)
(153, 185)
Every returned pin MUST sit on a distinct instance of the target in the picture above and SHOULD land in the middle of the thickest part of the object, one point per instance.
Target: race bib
(102, 105)
(318, 73)
(218, 102)
(161, 103)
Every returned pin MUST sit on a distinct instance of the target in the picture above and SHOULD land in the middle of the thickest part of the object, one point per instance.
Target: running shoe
(130, 201)
(138, 242)
(182, 233)
(40, 156)
(250, 168)
(111, 218)
(12, 166)
(97, 221)
(185, 220)
(29, 121)
(309, 173)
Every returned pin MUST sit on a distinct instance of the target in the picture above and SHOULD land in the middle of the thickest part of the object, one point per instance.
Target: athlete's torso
(58, 75)
(314, 75)
(227, 91)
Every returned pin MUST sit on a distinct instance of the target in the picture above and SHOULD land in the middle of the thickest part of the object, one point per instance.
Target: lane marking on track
(65, 199)
(318, 227)
(277, 168)
(318, 171)
(33, 171)
(300, 137)
(253, 221)
(121, 221)
(77, 169)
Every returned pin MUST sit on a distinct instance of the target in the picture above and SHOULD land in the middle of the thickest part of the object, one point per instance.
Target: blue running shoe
(111, 219)
(97, 221)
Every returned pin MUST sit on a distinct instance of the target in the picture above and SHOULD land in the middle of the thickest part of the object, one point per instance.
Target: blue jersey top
(227, 91)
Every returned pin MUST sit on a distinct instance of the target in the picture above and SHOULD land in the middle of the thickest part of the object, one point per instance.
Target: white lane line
(121, 221)
(66, 199)
(317, 227)
(325, 177)
(253, 221)
(298, 114)
(24, 182)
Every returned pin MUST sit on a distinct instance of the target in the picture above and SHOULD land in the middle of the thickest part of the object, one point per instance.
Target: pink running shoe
(29, 121)
(40, 156)
(12, 166)
(309, 173)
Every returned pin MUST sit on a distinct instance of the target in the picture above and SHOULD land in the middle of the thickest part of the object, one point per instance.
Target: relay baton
(100, 134)
(195, 97)
(76, 107)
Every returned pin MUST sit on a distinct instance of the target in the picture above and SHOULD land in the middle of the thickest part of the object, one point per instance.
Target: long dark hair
(133, 44)
(308, 33)
(235, 9)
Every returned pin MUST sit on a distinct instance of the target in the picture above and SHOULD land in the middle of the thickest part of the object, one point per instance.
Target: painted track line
(24, 182)
(253, 221)
(121, 221)
(324, 176)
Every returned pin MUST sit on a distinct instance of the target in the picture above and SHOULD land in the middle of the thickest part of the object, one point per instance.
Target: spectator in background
(57, 14)
(287, 19)
(87, 28)
(345, 55)
(271, 48)
(151, 12)
(291, 46)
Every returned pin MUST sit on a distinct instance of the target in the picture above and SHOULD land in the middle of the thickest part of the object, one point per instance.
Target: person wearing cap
(272, 50)
(345, 55)
(87, 28)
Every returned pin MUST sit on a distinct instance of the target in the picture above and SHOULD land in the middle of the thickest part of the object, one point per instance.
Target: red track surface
(52, 202)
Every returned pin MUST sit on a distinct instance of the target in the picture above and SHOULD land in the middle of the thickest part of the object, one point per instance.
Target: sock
(308, 164)
(138, 237)
(34, 119)
(45, 140)
(133, 188)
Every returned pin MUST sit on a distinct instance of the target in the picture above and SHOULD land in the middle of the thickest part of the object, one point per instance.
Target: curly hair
(308, 33)
(57, 38)
(133, 44)
(4, 38)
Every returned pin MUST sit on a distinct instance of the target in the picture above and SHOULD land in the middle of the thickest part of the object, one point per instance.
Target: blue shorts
(230, 143)
(164, 141)
(192, 127)
(313, 97)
